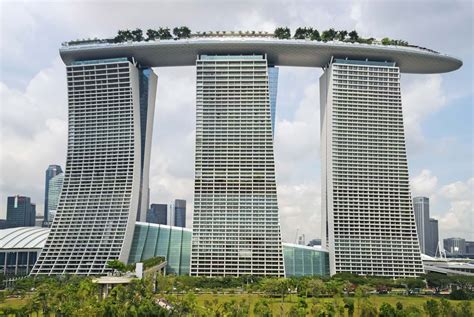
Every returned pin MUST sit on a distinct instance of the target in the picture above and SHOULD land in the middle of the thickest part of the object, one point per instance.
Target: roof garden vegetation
(301, 33)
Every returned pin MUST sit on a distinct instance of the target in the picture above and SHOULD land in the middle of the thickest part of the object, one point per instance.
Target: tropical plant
(303, 33)
(431, 308)
(182, 32)
(282, 33)
(328, 35)
(353, 36)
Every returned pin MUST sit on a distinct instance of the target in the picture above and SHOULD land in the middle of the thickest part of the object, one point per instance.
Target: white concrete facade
(236, 227)
(367, 217)
(106, 168)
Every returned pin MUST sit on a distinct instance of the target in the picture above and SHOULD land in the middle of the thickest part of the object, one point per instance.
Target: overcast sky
(438, 109)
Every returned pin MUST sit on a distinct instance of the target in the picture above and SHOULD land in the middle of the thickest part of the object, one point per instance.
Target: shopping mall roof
(290, 52)
(23, 238)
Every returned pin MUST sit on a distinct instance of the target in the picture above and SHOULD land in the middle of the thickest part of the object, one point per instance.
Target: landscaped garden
(341, 295)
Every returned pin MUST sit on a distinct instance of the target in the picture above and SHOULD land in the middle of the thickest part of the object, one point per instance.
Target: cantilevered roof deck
(303, 53)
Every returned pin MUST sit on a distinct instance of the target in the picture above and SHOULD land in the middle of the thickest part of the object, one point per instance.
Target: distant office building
(469, 249)
(432, 241)
(301, 239)
(454, 246)
(20, 212)
(158, 213)
(54, 190)
(39, 221)
(180, 213)
(314, 242)
(421, 207)
(51, 172)
(426, 227)
(3, 223)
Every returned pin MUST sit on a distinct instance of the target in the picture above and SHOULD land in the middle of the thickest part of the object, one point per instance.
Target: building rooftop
(282, 52)
(23, 238)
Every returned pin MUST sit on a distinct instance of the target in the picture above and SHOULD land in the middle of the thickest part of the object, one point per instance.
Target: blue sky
(438, 109)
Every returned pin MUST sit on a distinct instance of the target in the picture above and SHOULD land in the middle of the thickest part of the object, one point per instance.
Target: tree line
(309, 33)
(184, 32)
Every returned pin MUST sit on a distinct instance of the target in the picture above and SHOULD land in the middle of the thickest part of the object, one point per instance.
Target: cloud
(33, 132)
(458, 190)
(300, 207)
(424, 184)
(421, 97)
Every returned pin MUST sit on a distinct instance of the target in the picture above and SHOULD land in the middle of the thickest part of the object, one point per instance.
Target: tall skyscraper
(421, 207)
(179, 213)
(426, 227)
(20, 212)
(236, 228)
(432, 242)
(158, 213)
(54, 190)
(52, 171)
(367, 215)
(111, 105)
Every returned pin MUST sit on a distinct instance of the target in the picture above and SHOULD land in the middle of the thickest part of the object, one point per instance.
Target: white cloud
(458, 190)
(424, 184)
(33, 130)
(421, 97)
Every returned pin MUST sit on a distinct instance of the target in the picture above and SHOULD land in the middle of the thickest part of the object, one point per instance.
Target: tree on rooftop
(353, 36)
(137, 35)
(152, 35)
(123, 36)
(315, 35)
(164, 33)
(182, 32)
(117, 265)
(303, 33)
(282, 33)
(341, 35)
(328, 35)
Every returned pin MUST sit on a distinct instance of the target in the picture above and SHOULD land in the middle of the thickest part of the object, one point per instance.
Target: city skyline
(299, 192)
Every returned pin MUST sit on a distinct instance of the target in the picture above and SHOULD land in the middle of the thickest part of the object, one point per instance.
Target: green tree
(328, 35)
(437, 281)
(315, 35)
(282, 33)
(387, 310)
(465, 309)
(303, 33)
(117, 265)
(152, 35)
(353, 36)
(367, 309)
(165, 34)
(386, 41)
(341, 35)
(349, 305)
(182, 32)
(262, 309)
(137, 35)
(431, 308)
(446, 308)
